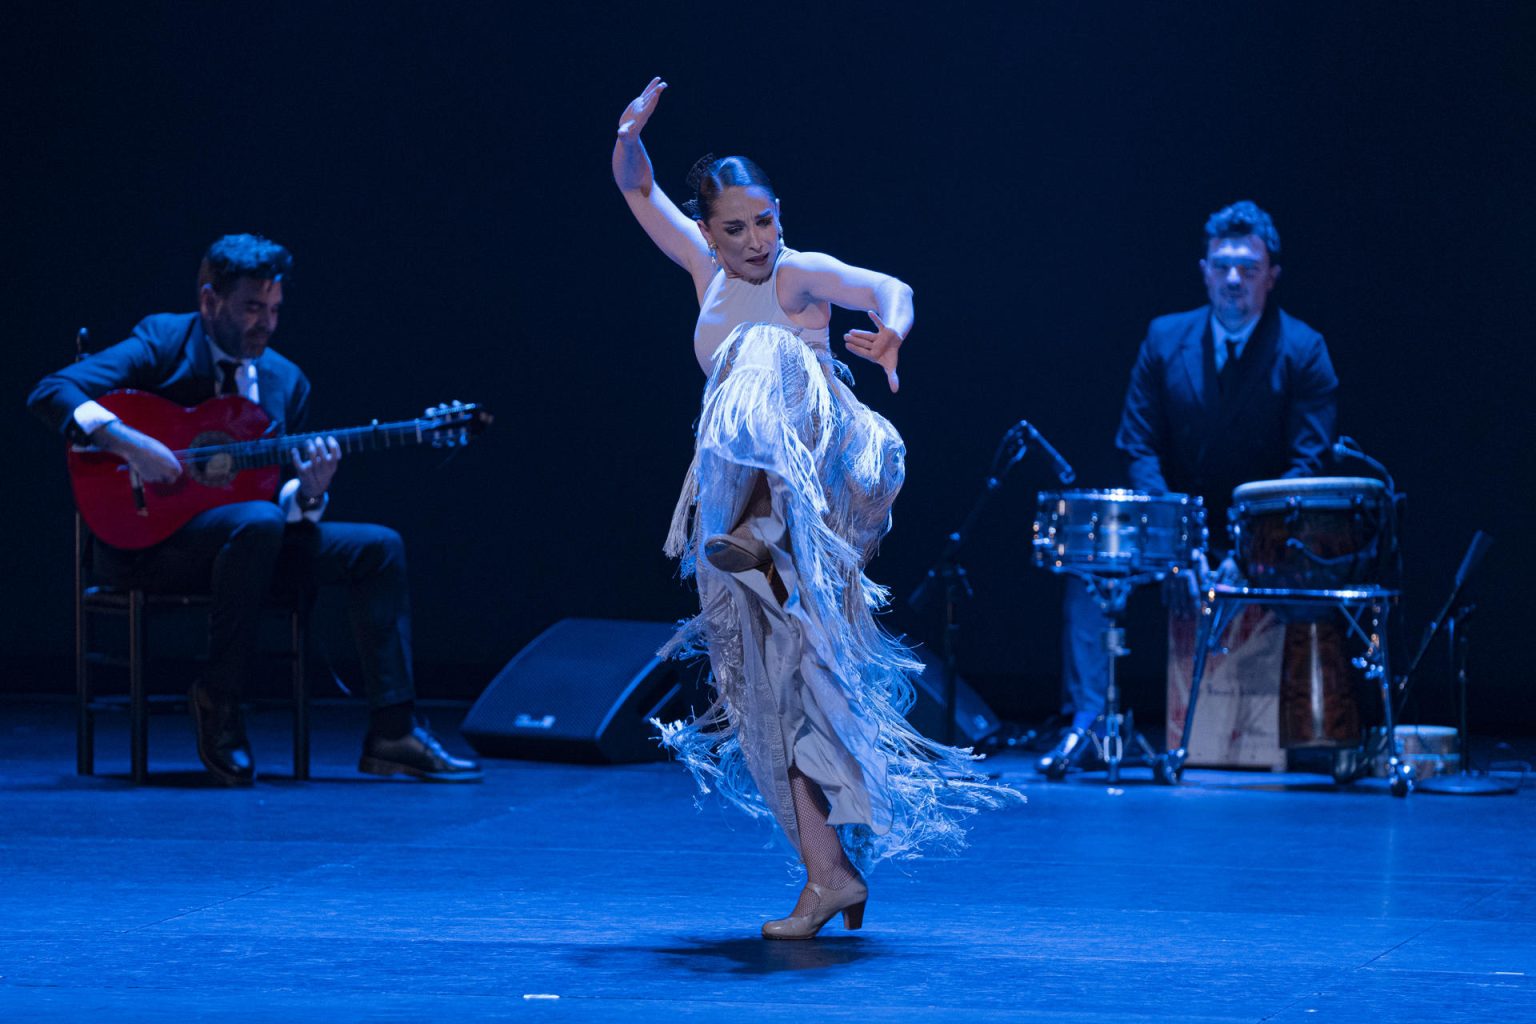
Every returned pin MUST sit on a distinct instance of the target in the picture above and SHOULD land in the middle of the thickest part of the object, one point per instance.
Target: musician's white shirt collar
(245, 376)
(1221, 335)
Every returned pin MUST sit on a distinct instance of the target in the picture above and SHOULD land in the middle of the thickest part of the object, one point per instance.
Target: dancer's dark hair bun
(710, 176)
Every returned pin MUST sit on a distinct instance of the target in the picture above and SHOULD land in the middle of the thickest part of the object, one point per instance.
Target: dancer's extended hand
(878, 346)
(640, 109)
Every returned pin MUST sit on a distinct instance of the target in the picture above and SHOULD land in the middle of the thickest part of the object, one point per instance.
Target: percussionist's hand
(316, 465)
(640, 109)
(152, 461)
(878, 346)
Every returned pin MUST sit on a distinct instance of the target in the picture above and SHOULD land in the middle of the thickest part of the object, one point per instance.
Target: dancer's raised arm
(673, 231)
(816, 277)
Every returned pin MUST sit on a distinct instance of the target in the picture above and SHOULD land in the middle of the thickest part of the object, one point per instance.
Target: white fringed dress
(814, 682)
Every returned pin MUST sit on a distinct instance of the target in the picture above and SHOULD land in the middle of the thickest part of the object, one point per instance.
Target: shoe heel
(375, 766)
(853, 917)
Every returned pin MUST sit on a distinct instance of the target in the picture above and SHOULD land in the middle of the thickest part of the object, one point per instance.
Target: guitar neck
(274, 451)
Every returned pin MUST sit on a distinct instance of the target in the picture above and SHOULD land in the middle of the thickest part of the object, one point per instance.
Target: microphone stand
(1464, 782)
(947, 569)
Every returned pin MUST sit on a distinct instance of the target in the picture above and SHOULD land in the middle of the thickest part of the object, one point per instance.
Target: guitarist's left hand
(316, 465)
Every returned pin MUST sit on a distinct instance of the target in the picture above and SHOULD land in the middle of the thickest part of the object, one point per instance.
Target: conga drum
(1317, 688)
(1312, 533)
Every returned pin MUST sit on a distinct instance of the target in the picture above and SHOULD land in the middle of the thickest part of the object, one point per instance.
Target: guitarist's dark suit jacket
(241, 553)
(170, 355)
(1183, 430)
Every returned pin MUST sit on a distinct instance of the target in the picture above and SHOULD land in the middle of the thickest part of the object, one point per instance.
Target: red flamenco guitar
(225, 459)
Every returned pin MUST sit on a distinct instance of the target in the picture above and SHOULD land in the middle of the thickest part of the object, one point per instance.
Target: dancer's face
(744, 229)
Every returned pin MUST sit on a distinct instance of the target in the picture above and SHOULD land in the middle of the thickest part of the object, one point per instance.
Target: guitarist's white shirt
(92, 416)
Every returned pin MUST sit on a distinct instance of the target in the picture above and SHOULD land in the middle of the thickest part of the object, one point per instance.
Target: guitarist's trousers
(245, 556)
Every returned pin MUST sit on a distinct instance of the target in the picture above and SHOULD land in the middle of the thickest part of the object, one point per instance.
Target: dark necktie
(229, 384)
(1228, 368)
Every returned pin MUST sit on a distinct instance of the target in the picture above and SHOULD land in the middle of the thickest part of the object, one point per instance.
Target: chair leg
(85, 733)
(300, 699)
(138, 702)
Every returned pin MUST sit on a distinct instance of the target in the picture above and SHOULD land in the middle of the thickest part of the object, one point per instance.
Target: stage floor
(556, 892)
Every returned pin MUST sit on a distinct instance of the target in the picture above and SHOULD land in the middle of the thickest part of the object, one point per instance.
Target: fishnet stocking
(825, 862)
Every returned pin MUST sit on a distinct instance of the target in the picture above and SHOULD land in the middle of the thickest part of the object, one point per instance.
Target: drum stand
(1110, 593)
(1364, 608)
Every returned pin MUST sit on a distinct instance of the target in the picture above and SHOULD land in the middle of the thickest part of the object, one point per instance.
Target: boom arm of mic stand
(1481, 542)
(945, 567)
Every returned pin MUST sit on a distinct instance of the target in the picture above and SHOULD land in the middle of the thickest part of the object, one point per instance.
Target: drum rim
(1309, 486)
(1119, 495)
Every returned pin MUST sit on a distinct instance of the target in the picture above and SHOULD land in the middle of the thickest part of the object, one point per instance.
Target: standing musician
(240, 553)
(1235, 391)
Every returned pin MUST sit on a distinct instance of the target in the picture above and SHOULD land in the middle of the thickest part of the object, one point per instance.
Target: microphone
(1346, 447)
(1064, 471)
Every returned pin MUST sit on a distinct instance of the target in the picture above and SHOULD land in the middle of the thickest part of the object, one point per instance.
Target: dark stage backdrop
(1038, 172)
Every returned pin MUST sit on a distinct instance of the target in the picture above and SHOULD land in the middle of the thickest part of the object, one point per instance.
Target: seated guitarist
(241, 553)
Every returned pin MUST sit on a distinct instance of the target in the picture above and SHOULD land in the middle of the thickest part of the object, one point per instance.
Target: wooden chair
(134, 606)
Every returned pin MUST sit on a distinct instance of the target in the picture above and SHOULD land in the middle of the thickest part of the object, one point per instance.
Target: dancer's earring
(714, 254)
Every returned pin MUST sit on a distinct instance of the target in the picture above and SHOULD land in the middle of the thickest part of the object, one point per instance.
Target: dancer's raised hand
(640, 109)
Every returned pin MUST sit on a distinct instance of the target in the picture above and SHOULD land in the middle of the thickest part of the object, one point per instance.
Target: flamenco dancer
(788, 495)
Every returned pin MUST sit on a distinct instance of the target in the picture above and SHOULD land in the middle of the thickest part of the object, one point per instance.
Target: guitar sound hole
(215, 470)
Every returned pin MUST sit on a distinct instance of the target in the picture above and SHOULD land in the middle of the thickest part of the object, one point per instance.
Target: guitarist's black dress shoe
(221, 742)
(419, 754)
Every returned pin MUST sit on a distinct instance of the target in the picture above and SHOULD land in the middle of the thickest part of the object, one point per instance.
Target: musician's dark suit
(1184, 430)
(240, 553)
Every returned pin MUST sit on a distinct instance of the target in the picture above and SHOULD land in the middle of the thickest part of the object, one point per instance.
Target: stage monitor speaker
(584, 690)
(974, 720)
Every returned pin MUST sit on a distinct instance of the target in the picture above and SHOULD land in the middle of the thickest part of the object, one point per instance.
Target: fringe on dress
(816, 682)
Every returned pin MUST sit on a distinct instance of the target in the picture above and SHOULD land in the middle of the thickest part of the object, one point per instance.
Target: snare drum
(1117, 532)
(1311, 533)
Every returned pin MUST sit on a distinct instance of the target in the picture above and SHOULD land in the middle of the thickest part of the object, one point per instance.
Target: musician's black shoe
(418, 754)
(221, 742)
(1066, 753)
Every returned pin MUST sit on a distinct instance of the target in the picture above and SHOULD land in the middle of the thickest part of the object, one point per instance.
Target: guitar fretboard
(272, 451)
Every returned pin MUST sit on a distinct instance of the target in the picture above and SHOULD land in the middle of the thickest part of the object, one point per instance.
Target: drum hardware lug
(1112, 749)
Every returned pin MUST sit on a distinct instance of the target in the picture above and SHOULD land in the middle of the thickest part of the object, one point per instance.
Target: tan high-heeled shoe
(737, 551)
(850, 899)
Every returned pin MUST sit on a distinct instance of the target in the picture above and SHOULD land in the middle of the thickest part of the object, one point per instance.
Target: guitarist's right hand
(152, 461)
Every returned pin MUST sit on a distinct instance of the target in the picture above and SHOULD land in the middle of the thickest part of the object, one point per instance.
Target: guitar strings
(269, 451)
